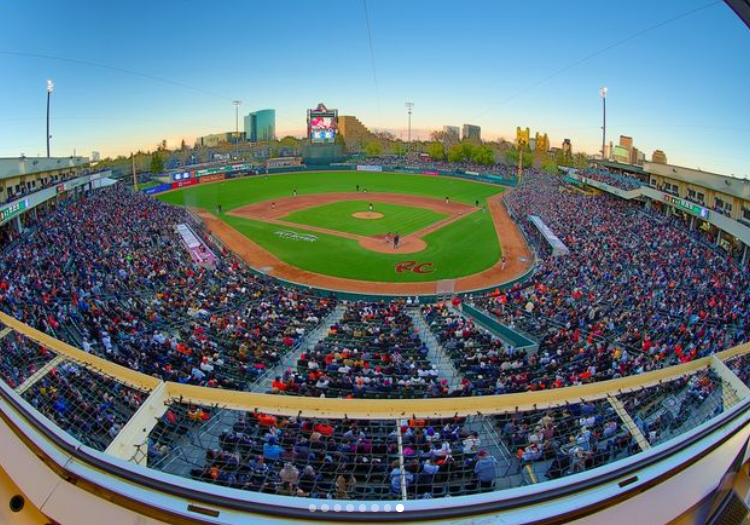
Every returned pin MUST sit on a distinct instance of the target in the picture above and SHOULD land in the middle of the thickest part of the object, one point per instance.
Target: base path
(517, 254)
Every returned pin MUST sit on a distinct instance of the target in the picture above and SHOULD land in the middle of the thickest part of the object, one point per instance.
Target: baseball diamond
(450, 228)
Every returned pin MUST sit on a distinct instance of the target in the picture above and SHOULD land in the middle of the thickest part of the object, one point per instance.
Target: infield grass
(338, 216)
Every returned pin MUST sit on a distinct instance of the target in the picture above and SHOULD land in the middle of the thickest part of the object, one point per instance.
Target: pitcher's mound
(367, 215)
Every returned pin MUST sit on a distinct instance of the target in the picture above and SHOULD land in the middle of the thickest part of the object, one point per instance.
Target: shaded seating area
(91, 407)
(20, 358)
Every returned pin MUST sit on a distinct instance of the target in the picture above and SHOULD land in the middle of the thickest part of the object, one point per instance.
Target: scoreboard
(322, 125)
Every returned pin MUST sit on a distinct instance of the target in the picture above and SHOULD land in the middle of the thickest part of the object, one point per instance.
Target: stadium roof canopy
(742, 8)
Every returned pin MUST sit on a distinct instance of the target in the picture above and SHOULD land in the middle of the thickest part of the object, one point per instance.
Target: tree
(373, 149)
(436, 151)
(511, 157)
(157, 163)
(340, 141)
(549, 166)
(399, 148)
(483, 155)
(580, 160)
(183, 146)
(456, 153)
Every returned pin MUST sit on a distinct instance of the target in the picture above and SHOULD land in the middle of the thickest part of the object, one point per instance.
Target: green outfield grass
(464, 247)
(338, 216)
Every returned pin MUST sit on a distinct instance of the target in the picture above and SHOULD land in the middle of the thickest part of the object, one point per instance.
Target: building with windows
(354, 133)
(567, 147)
(451, 134)
(472, 132)
(659, 157)
(260, 126)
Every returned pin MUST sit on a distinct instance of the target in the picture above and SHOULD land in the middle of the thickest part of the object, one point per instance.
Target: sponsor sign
(283, 162)
(213, 178)
(688, 206)
(13, 209)
(475, 173)
(158, 189)
(183, 175)
(61, 188)
(369, 167)
(430, 173)
(183, 183)
(294, 236)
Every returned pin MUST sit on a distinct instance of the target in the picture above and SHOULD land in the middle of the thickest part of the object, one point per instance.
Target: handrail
(372, 408)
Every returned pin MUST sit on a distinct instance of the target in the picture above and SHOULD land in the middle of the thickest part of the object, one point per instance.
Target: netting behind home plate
(445, 288)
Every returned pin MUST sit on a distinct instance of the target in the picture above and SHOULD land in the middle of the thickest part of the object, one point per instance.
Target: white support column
(36, 376)
(744, 255)
(136, 430)
(729, 378)
(718, 238)
(629, 423)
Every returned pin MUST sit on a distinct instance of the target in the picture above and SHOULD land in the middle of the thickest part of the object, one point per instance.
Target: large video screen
(322, 125)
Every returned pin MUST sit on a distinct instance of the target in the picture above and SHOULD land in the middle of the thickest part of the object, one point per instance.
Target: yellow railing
(370, 408)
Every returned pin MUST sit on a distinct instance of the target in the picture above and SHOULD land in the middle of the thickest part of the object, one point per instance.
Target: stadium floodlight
(603, 93)
(409, 106)
(50, 87)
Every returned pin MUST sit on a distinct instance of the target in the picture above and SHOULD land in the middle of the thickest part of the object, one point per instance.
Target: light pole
(50, 87)
(603, 93)
(409, 106)
(237, 104)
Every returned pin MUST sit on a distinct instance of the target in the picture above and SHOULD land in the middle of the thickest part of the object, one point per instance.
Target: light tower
(409, 106)
(237, 104)
(603, 93)
(50, 87)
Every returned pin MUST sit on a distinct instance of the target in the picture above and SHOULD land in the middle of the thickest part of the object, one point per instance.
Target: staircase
(263, 384)
(436, 354)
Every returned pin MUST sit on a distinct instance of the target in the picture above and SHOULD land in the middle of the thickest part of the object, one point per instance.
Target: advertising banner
(13, 209)
(183, 175)
(183, 183)
(158, 189)
(430, 173)
(369, 167)
(212, 178)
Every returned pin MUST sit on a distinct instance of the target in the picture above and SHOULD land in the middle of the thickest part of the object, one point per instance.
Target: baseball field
(341, 227)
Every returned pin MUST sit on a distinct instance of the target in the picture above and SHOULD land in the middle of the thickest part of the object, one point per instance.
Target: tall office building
(260, 126)
(472, 132)
(452, 134)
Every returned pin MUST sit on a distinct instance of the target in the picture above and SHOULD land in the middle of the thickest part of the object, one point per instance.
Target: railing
(632, 403)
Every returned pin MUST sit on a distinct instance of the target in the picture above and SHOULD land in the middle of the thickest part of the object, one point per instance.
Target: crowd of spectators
(320, 458)
(108, 274)
(634, 294)
(91, 407)
(422, 164)
(373, 351)
(616, 180)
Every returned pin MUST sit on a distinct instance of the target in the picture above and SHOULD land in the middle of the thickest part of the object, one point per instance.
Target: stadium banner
(212, 178)
(183, 183)
(369, 167)
(283, 162)
(13, 209)
(158, 189)
(436, 173)
(183, 175)
(475, 173)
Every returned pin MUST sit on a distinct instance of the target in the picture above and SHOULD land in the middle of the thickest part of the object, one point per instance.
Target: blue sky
(681, 87)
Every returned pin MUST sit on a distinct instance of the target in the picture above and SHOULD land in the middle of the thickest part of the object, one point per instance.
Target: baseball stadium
(347, 326)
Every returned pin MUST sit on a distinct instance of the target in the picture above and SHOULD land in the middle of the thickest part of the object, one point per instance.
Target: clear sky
(681, 87)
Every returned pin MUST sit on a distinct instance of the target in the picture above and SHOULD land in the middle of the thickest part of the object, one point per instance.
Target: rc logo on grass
(414, 267)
